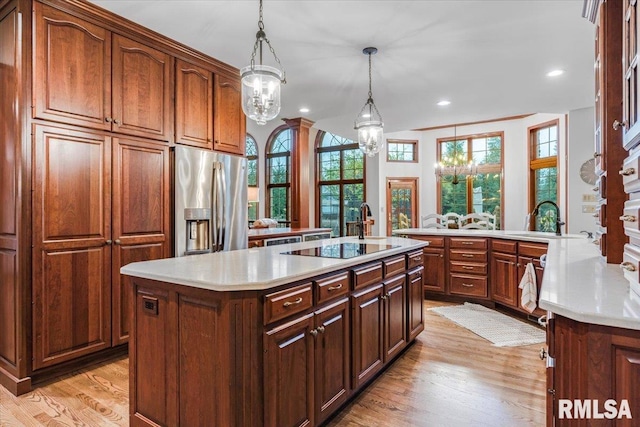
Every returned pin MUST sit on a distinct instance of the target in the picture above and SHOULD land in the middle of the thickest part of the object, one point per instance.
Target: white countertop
(577, 282)
(259, 268)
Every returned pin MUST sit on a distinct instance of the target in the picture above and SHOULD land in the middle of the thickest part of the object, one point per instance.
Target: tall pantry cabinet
(93, 104)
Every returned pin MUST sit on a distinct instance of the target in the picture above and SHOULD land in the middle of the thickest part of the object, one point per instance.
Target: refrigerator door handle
(223, 206)
(214, 205)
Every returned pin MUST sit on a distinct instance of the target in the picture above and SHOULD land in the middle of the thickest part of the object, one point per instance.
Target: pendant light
(451, 169)
(261, 83)
(369, 122)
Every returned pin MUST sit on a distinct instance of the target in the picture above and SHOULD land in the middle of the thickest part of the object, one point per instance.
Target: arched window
(251, 149)
(278, 177)
(340, 178)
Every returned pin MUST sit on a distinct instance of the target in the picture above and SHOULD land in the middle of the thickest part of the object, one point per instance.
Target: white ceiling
(488, 57)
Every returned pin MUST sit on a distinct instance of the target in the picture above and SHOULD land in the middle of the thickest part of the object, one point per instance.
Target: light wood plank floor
(449, 377)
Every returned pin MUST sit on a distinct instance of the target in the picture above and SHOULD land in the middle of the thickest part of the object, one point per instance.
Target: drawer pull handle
(467, 243)
(628, 218)
(627, 171)
(628, 266)
(467, 285)
(467, 256)
(290, 303)
(335, 288)
(596, 189)
(466, 267)
(618, 124)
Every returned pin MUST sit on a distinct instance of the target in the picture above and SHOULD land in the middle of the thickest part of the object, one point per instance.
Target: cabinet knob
(118, 242)
(596, 154)
(542, 353)
(628, 218)
(118, 122)
(108, 242)
(314, 332)
(627, 171)
(320, 329)
(441, 256)
(108, 119)
(617, 124)
(626, 265)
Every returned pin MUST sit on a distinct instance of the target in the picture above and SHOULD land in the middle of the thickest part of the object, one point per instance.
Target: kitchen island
(592, 318)
(275, 336)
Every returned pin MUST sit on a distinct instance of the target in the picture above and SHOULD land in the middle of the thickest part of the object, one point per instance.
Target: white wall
(581, 130)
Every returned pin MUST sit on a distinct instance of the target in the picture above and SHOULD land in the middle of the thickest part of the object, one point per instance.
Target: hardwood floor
(449, 377)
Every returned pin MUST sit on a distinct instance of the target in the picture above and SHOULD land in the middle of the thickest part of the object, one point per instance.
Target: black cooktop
(341, 250)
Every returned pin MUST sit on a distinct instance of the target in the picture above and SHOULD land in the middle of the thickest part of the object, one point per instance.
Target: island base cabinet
(434, 270)
(395, 317)
(592, 362)
(415, 315)
(367, 321)
(288, 374)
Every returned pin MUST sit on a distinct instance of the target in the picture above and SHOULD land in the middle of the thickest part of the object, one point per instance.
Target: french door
(402, 203)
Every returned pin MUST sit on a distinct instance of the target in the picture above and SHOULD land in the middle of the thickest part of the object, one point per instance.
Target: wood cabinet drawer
(255, 244)
(393, 266)
(631, 218)
(504, 246)
(279, 305)
(468, 267)
(473, 256)
(367, 275)
(414, 259)
(629, 173)
(415, 274)
(468, 285)
(434, 242)
(332, 286)
(535, 250)
(467, 243)
(631, 264)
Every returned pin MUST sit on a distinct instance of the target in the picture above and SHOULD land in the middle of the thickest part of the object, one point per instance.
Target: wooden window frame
(341, 182)
(268, 186)
(492, 168)
(540, 163)
(413, 142)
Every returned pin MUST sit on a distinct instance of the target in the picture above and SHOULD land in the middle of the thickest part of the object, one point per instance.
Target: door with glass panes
(402, 203)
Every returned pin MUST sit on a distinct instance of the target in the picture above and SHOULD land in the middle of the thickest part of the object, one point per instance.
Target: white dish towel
(529, 297)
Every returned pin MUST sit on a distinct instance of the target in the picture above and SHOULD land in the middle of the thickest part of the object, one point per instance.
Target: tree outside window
(477, 193)
(251, 149)
(543, 146)
(279, 174)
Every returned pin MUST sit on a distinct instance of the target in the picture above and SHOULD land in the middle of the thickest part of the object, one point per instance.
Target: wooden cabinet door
(415, 315)
(229, 122)
(194, 105)
(72, 69)
(395, 316)
(631, 76)
(367, 334)
(332, 358)
(504, 278)
(288, 374)
(141, 207)
(71, 236)
(141, 90)
(434, 269)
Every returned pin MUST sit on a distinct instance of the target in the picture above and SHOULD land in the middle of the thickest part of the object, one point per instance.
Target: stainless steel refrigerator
(210, 201)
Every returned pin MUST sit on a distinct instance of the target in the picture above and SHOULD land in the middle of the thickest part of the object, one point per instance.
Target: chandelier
(261, 83)
(369, 122)
(456, 166)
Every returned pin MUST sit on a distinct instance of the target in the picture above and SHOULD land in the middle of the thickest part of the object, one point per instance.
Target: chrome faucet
(365, 211)
(557, 209)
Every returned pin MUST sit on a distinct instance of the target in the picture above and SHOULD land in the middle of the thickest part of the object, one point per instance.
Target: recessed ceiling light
(304, 110)
(555, 73)
(443, 103)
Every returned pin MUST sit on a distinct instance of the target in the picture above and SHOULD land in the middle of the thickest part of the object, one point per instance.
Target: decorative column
(300, 182)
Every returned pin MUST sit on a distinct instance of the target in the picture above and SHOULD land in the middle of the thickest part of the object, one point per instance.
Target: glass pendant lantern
(261, 83)
(369, 122)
